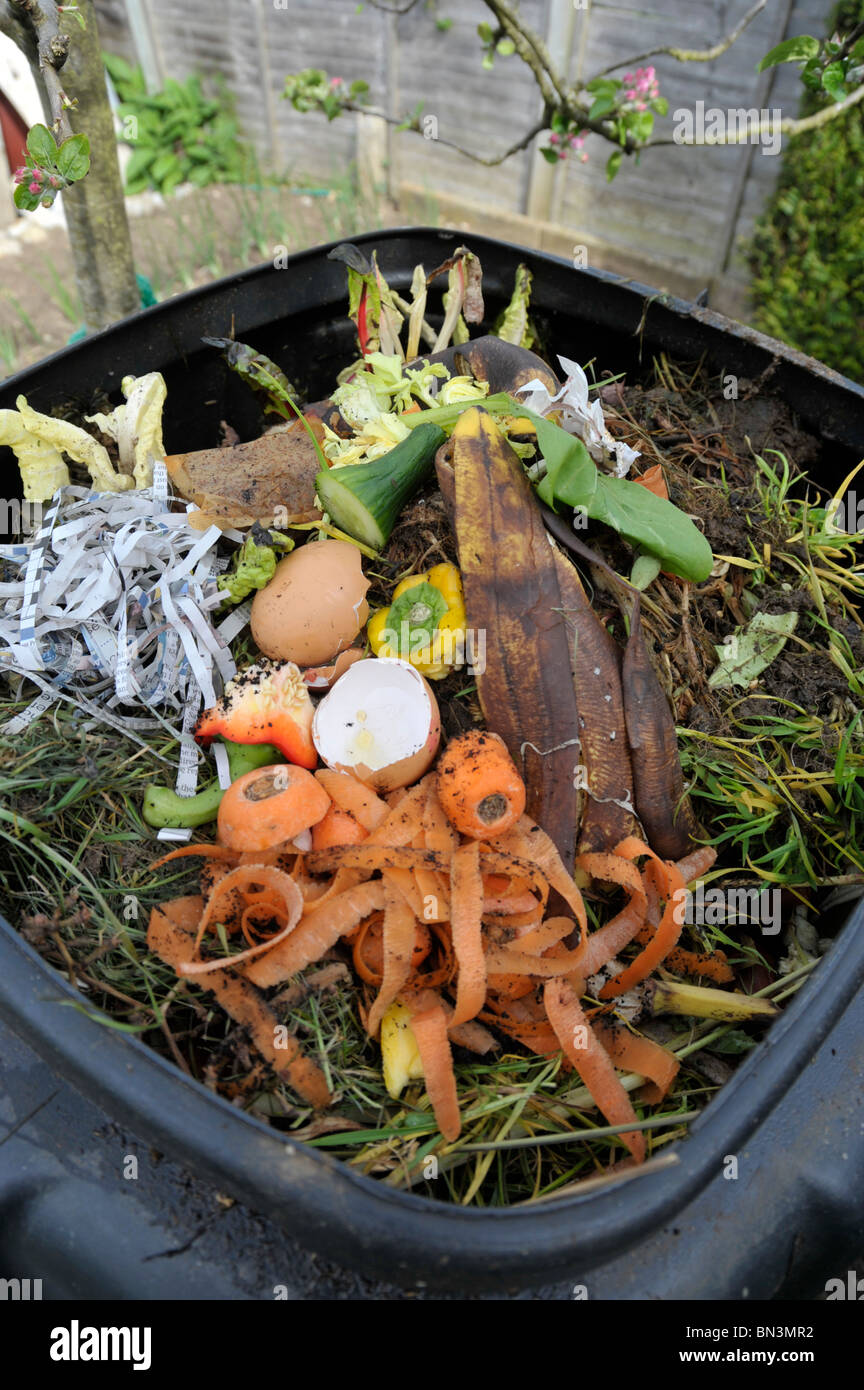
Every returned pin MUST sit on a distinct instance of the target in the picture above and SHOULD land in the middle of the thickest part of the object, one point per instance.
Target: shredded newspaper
(113, 611)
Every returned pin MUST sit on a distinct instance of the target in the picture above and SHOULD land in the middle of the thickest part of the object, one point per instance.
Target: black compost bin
(788, 1110)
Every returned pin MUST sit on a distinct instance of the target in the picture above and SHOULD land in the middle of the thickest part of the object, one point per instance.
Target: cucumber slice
(365, 499)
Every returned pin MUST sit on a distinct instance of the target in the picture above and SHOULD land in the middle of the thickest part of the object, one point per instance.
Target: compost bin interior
(297, 315)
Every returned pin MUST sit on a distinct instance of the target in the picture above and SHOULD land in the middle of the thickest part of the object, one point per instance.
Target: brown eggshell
(314, 606)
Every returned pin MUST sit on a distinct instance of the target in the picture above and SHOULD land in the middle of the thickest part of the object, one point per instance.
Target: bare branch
(787, 126)
(15, 29)
(489, 161)
(527, 45)
(692, 55)
(532, 50)
(52, 48)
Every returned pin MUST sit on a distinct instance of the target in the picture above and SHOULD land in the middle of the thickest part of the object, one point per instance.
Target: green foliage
(807, 254)
(48, 169)
(178, 135)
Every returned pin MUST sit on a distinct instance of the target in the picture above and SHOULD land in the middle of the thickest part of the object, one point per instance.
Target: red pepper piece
(266, 703)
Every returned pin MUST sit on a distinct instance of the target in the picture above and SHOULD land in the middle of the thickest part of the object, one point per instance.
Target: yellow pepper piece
(447, 649)
(400, 1056)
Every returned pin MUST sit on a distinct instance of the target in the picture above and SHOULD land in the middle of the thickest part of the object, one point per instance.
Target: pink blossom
(336, 81)
(628, 77)
(631, 95)
(20, 174)
(35, 187)
(583, 159)
(562, 154)
(554, 139)
(640, 106)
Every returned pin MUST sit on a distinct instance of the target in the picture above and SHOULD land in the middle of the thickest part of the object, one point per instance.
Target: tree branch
(691, 55)
(532, 50)
(787, 126)
(522, 143)
(52, 49)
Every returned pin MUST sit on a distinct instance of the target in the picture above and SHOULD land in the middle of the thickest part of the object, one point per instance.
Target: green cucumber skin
(163, 808)
(365, 499)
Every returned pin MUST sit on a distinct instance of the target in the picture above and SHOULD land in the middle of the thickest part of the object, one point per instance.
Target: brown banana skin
(511, 590)
(604, 754)
(640, 766)
(665, 812)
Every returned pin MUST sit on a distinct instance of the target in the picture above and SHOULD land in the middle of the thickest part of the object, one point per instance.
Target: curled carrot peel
(455, 929)
(429, 1024)
(670, 884)
(171, 937)
(466, 910)
(634, 1053)
(222, 904)
(591, 1060)
(399, 939)
(351, 796)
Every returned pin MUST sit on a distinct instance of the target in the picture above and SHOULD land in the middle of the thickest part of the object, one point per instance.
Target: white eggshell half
(380, 722)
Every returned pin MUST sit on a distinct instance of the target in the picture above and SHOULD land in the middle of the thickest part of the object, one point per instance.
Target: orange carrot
(466, 911)
(225, 896)
(478, 785)
(591, 1060)
(269, 806)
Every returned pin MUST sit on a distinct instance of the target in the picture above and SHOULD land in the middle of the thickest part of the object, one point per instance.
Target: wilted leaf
(746, 654)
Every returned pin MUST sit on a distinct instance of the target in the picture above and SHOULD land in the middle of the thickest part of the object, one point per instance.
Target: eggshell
(314, 606)
(387, 703)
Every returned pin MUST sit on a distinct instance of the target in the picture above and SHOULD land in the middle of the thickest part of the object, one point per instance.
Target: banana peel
(658, 780)
(605, 756)
(512, 592)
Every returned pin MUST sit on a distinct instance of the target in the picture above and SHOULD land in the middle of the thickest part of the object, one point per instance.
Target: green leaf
(747, 653)
(613, 164)
(488, 61)
(73, 157)
(571, 474)
(646, 521)
(645, 570)
(162, 167)
(506, 47)
(660, 105)
(550, 155)
(25, 200)
(653, 524)
(602, 106)
(790, 51)
(640, 125)
(41, 145)
(485, 32)
(833, 81)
